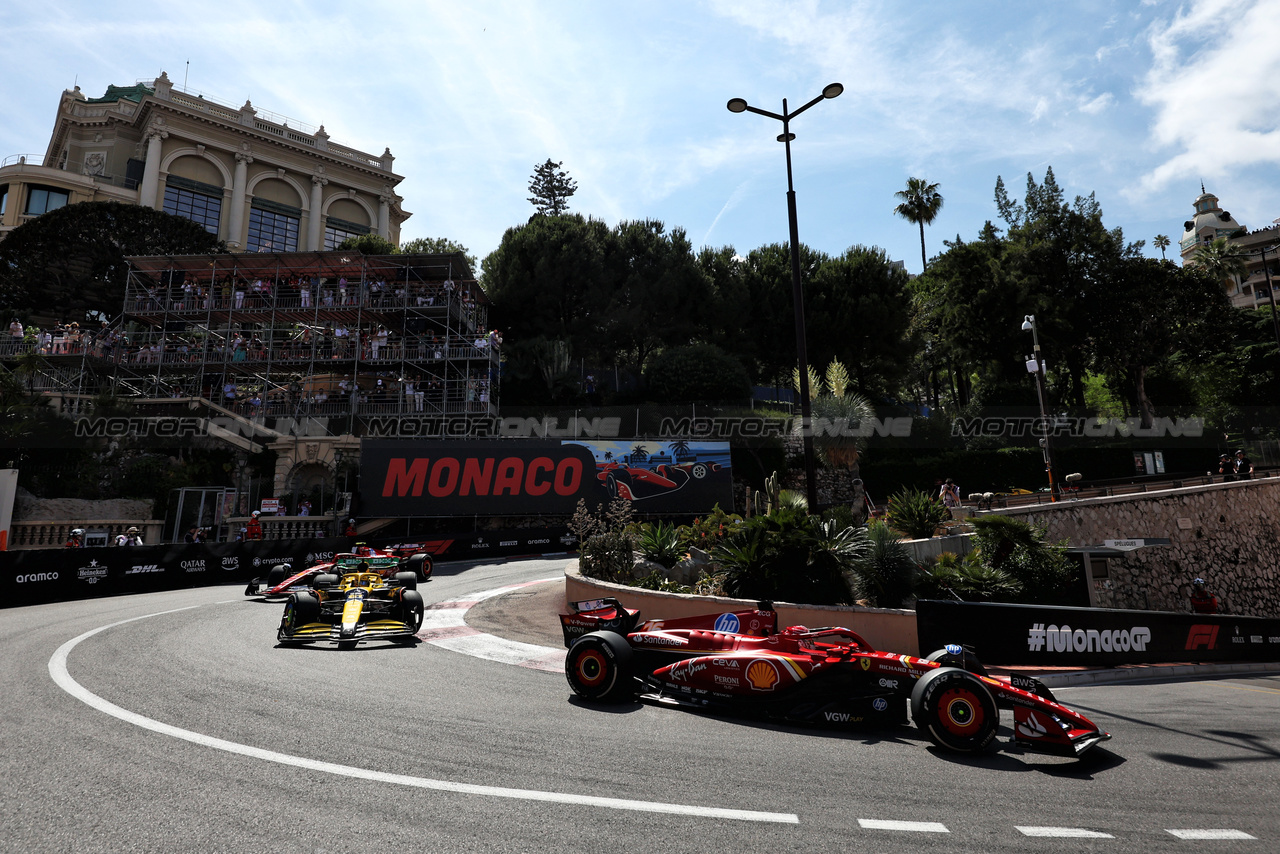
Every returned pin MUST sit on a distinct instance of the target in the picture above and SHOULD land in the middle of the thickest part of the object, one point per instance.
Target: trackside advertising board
(513, 478)
(1022, 635)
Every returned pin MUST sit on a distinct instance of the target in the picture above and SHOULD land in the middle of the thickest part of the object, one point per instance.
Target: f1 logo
(1202, 636)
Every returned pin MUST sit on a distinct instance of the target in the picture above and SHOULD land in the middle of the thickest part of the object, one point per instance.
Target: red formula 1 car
(739, 663)
(281, 580)
(635, 484)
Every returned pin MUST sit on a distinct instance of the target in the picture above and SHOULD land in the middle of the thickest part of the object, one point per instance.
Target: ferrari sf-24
(740, 663)
(281, 581)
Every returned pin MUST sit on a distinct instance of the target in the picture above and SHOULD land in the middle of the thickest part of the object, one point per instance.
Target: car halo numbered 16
(740, 663)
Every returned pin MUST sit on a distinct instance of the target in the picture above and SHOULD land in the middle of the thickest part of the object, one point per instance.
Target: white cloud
(1098, 104)
(1214, 85)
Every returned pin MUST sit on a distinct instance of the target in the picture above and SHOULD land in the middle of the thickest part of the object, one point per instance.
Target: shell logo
(762, 675)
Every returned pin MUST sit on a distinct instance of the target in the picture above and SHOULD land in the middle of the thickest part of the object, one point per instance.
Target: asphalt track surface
(171, 722)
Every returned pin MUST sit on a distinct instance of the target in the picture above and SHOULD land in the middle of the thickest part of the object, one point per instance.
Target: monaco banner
(540, 477)
(1020, 635)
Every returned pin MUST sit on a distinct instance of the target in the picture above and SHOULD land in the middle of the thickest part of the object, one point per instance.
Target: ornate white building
(1211, 222)
(261, 182)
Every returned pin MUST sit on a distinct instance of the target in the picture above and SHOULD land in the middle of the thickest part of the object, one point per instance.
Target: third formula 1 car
(281, 580)
(740, 663)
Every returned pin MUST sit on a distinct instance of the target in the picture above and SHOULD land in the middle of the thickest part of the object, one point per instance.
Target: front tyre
(955, 710)
(598, 667)
(412, 609)
(957, 656)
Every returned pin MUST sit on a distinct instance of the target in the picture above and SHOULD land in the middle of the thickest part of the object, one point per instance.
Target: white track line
(1062, 832)
(1210, 834)
(58, 671)
(914, 826)
(445, 626)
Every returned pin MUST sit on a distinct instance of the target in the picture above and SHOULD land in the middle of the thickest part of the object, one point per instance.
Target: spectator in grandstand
(75, 540)
(253, 530)
(130, 537)
(1226, 467)
(1243, 466)
(1202, 601)
(15, 329)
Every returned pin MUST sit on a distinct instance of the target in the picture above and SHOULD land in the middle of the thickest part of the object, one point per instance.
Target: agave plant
(886, 574)
(915, 513)
(660, 543)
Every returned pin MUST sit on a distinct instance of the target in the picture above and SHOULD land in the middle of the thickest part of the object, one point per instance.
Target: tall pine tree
(551, 187)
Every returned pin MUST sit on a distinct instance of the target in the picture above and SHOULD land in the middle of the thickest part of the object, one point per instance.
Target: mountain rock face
(29, 508)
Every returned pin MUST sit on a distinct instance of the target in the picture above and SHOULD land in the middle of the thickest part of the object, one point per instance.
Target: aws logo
(762, 675)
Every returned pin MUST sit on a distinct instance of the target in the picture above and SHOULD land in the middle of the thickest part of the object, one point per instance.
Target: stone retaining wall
(883, 628)
(1227, 533)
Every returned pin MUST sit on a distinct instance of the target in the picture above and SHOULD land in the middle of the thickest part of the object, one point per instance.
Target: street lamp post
(1029, 322)
(739, 105)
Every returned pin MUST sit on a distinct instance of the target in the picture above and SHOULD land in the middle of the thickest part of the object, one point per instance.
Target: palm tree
(1221, 259)
(639, 454)
(921, 202)
(1162, 243)
(679, 449)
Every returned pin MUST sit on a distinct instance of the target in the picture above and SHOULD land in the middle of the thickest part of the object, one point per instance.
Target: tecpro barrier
(1036, 635)
(53, 575)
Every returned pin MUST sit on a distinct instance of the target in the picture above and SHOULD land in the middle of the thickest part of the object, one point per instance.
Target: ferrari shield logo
(866, 663)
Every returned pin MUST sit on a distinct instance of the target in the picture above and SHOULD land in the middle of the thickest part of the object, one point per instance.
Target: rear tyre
(598, 667)
(421, 566)
(955, 710)
(275, 575)
(324, 580)
(407, 580)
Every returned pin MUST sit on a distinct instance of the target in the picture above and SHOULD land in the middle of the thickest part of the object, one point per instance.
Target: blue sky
(1135, 101)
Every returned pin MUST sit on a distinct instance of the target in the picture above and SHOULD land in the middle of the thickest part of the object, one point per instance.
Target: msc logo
(1202, 636)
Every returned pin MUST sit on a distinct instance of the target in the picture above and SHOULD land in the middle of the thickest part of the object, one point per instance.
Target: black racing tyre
(598, 667)
(964, 659)
(407, 580)
(412, 609)
(324, 580)
(420, 565)
(955, 710)
(277, 574)
(302, 607)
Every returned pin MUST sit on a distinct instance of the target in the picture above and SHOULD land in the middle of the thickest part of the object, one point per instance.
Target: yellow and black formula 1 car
(359, 605)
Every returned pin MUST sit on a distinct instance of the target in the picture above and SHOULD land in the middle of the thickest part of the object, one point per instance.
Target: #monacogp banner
(517, 478)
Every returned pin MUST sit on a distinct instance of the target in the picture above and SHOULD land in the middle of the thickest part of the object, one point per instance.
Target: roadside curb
(1118, 676)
